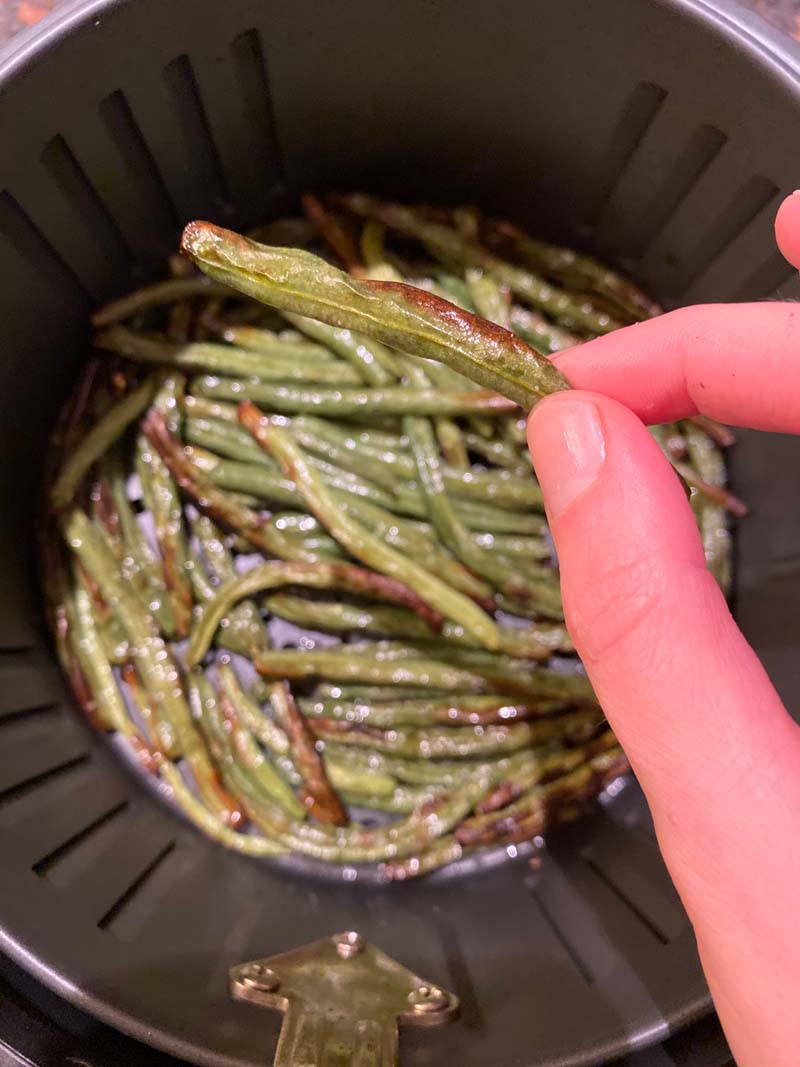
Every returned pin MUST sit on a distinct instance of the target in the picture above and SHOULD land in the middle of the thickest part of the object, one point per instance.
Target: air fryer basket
(660, 134)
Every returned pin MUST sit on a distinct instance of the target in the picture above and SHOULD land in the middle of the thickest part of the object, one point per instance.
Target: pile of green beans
(294, 551)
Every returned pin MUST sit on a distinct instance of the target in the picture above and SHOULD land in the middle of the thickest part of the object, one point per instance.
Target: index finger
(739, 363)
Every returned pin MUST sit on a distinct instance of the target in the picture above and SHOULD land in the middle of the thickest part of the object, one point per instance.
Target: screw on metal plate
(342, 999)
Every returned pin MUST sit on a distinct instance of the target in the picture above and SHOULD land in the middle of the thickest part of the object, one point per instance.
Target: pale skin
(711, 743)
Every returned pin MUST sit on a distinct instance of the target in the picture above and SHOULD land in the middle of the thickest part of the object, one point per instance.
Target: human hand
(712, 745)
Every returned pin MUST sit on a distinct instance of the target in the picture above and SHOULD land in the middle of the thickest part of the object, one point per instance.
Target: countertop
(18, 14)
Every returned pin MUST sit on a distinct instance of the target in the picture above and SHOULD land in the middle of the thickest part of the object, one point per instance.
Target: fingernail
(568, 449)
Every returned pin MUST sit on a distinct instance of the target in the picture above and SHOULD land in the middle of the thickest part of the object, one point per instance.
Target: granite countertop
(18, 14)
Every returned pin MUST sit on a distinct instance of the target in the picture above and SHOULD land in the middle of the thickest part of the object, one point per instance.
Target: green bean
(338, 465)
(100, 438)
(247, 778)
(442, 852)
(459, 742)
(338, 240)
(154, 665)
(160, 494)
(245, 632)
(156, 296)
(367, 694)
(261, 771)
(343, 665)
(140, 563)
(260, 476)
(578, 784)
(396, 314)
(352, 844)
(540, 332)
(499, 453)
(320, 794)
(720, 434)
(205, 820)
(404, 536)
(88, 650)
(344, 576)
(219, 505)
(579, 272)
(372, 361)
(491, 300)
(224, 359)
(380, 443)
(489, 565)
(341, 617)
(561, 803)
(153, 662)
(324, 400)
(284, 346)
(453, 288)
(429, 711)
(478, 516)
(452, 443)
(489, 518)
(311, 535)
(454, 249)
(711, 517)
(401, 801)
(529, 549)
(447, 773)
(358, 541)
(360, 782)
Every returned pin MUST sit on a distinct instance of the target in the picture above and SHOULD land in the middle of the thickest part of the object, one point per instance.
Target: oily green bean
(401, 801)
(360, 782)
(340, 617)
(429, 711)
(358, 541)
(161, 496)
(285, 346)
(490, 299)
(140, 563)
(263, 479)
(489, 565)
(245, 632)
(223, 507)
(452, 443)
(371, 360)
(251, 757)
(539, 332)
(324, 400)
(88, 650)
(100, 438)
(153, 662)
(580, 272)
(398, 315)
(367, 694)
(157, 295)
(460, 742)
(344, 576)
(455, 249)
(711, 517)
(343, 665)
(225, 359)
(205, 820)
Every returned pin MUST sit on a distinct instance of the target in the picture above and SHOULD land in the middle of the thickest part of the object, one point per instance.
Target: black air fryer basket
(660, 134)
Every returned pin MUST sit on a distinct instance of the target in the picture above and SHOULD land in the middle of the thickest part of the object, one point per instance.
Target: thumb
(712, 745)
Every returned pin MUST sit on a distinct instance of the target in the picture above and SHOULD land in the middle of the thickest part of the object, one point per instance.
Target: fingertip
(567, 443)
(787, 228)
